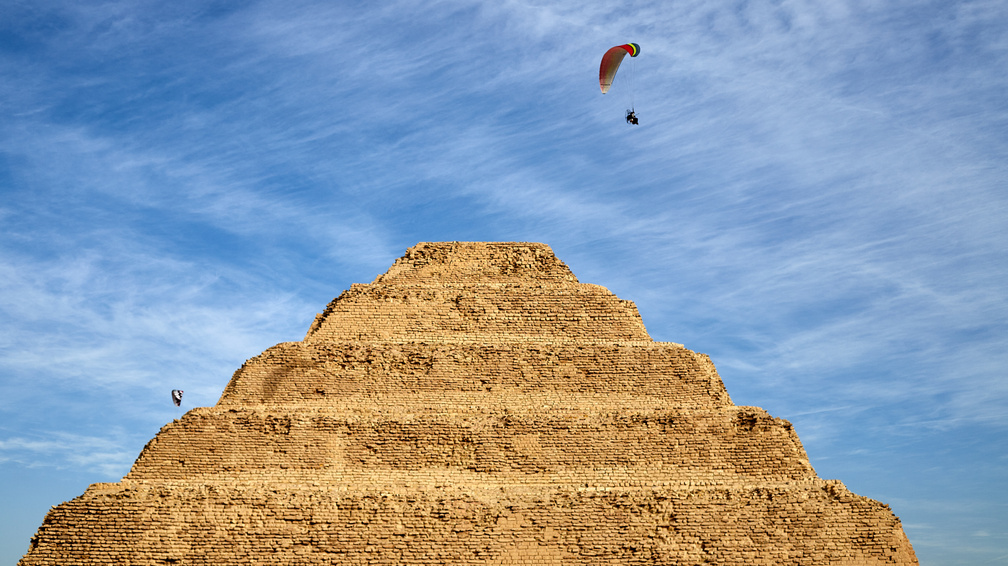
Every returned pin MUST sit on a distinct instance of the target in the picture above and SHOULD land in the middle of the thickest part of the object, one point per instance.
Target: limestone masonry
(475, 404)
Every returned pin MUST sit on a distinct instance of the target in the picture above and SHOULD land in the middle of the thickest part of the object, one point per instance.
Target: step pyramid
(475, 404)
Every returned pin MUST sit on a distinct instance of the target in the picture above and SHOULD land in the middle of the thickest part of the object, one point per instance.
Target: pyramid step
(816, 523)
(324, 373)
(669, 445)
(453, 263)
(488, 312)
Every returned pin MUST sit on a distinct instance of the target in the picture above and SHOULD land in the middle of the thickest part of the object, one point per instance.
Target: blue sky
(815, 197)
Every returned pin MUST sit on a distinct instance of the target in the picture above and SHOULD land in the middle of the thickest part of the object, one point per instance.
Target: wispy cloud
(98, 454)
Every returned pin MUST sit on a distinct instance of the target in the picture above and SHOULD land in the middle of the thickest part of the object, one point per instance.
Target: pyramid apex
(478, 262)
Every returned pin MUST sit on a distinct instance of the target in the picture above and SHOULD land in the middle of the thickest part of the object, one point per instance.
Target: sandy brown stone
(476, 404)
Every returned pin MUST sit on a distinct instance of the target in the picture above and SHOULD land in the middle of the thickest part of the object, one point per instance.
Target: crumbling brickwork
(475, 404)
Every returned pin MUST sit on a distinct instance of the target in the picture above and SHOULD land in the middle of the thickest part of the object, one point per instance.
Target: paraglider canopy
(611, 62)
(176, 396)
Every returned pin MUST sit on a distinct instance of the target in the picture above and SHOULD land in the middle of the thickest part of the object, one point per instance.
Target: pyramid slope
(476, 404)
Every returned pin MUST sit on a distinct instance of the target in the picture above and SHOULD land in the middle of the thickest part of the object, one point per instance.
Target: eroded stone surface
(476, 404)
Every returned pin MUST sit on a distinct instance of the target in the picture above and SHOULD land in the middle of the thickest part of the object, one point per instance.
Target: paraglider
(611, 62)
(176, 396)
(607, 71)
